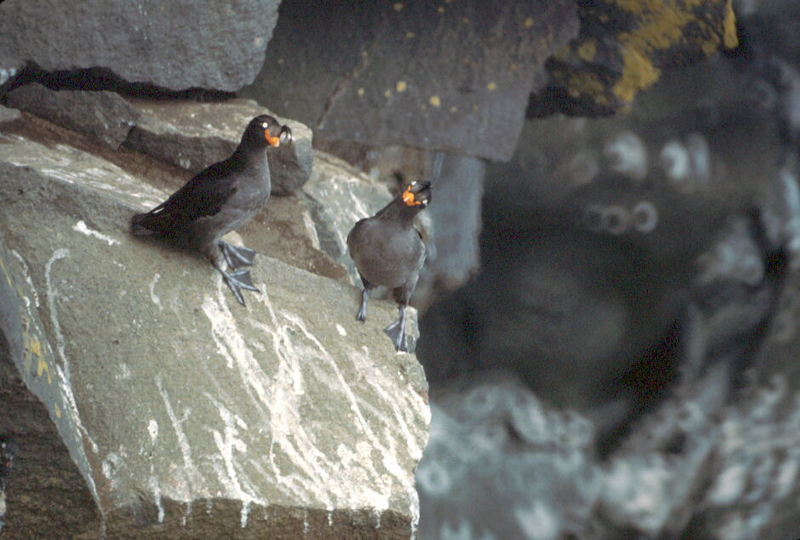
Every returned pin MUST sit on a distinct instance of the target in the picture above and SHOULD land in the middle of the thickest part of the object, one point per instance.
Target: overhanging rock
(175, 45)
(186, 414)
(449, 75)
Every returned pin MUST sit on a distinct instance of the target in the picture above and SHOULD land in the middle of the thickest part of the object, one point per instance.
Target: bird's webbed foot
(237, 280)
(237, 256)
(397, 333)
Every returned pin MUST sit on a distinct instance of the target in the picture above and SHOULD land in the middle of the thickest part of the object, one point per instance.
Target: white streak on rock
(311, 229)
(153, 296)
(341, 330)
(231, 345)
(152, 429)
(245, 514)
(27, 273)
(190, 470)
(51, 304)
(62, 369)
(228, 444)
(81, 227)
(371, 460)
(157, 498)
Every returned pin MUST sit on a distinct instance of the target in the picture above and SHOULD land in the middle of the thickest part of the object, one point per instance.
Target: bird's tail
(150, 223)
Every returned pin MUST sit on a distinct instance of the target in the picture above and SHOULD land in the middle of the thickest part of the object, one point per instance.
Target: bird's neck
(249, 155)
(398, 212)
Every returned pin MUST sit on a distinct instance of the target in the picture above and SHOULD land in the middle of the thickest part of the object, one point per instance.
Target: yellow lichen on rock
(587, 50)
(639, 38)
(639, 73)
(730, 38)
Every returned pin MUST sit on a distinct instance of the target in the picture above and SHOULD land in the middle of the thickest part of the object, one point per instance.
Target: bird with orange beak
(388, 251)
(220, 199)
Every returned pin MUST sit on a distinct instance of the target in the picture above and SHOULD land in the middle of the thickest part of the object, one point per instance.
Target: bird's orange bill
(410, 198)
(273, 141)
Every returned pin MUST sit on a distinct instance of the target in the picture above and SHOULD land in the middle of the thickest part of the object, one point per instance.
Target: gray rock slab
(42, 463)
(194, 135)
(103, 115)
(286, 231)
(7, 114)
(340, 196)
(453, 76)
(186, 413)
(175, 45)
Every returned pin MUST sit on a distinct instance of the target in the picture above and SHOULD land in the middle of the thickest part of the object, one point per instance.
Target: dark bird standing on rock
(221, 198)
(388, 251)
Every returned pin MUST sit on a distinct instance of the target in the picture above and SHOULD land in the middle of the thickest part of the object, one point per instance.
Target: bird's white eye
(264, 125)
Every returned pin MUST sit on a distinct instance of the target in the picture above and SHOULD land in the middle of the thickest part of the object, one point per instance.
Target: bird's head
(417, 195)
(266, 128)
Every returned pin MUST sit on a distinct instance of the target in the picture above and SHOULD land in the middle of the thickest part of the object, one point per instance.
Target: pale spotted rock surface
(185, 413)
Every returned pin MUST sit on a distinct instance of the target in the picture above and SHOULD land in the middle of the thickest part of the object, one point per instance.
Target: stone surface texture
(184, 413)
(452, 76)
(624, 46)
(103, 115)
(174, 45)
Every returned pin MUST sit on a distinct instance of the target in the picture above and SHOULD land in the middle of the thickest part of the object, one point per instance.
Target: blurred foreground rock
(624, 364)
(185, 415)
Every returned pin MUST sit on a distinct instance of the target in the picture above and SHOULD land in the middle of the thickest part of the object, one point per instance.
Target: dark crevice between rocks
(98, 79)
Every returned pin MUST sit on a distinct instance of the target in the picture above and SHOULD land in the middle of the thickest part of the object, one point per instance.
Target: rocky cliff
(184, 413)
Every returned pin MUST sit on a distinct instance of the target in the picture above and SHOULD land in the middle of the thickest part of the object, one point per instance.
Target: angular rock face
(174, 45)
(452, 77)
(194, 135)
(103, 115)
(186, 414)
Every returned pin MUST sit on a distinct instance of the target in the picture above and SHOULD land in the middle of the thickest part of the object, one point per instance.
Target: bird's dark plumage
(389, 251)
(220, 199)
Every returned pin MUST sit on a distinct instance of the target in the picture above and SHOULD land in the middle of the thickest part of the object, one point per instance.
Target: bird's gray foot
(240, 279)
(362, 312)
(397, 332)
(237, 256)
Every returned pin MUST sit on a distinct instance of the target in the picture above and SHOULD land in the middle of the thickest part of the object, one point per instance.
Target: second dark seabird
(388, 251)
(221, 198)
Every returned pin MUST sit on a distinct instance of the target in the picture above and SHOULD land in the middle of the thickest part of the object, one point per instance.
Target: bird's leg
(236, 256)
(236, 280)
(362, 311)
(397, 331)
